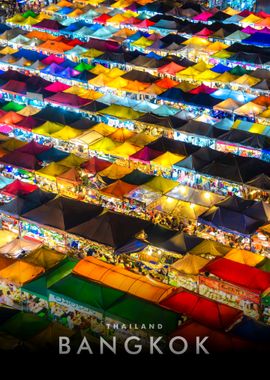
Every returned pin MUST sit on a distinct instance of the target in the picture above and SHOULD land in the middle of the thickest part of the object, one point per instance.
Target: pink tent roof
(171, 68)
(203, 89)
(29, 123)
(145, 155)
(204, 32)
(52, 59)
(145, 24)
(57, 87)
(204, 16)
(15, 86)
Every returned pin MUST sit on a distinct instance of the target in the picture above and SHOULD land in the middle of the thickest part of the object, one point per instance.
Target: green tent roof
(83, 66)
(239, 70)
(24, 325)
(134, 310)
(12, 106)
(86, 293)
(39, 287)
(29, 13)
(264, 265)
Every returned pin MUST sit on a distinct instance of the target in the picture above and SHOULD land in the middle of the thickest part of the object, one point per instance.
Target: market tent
(20, 272)
(6, 237)
(95, 165)
(262, 181)
(86, 293)
(167, 159)
(209, 313)
(105, 229)
(210, 248)
(136, 177)
(124, 150)
(66, 133)
(18, 246)
(229, 220)
(141, 139)
(121, 279)
(21, 160)
(227, 105)
(133, 310)
(104, 145)
(32, 148)
(121, 135)
(63, 213)
(244, 257)
(246, 80)
(189, 264)
(48, 338)
(71, 161)
(52, 170)
(19, 188)
(45, 258)
(188, 194)
(121, 111)
(67, 99)
(145, 155)
(117, 189)
(250, 109)
(11, 117)
(260, 211)
(239, 274)
(52, 155)
(161, 184)
(180, 243)
(115, 171)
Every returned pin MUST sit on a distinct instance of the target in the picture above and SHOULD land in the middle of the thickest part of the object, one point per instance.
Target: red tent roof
(102, 19)
(29, 123)
(240, 274)
(204, 32)
(21, 160)
(15, 86)
(202, 310)
(19, 188)
(171, 68)
(166, 83)
(33, 148)
(95, 165)
(145, 24)
(217, 341)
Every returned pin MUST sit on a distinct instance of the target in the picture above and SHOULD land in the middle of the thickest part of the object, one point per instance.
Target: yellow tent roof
(251, 19)
(141, 139)
(6, 237)
(117, 19)
(103, 129)
(202, 66)
(223, 54)
(84, 93)
(16, 19)
(250, 109)
(104, 145)
(216, 46)
(210, 247)
(227, 105)
(8, 50)
(167, 159)
(12, 144)
(190, 210)
(265, 114)
(153, 89)
(122, 279)
(226, 78)
(121, 112)
(48, 128)
(75, 13)
(230, 11)
(67, 133)
(115, 171)
(189, 72)
(100, 80)
(207, 75)
(244, 257)
(21, 272)
(45, 258)
(118, 83)
(28, 111)
(186, 86)
(71, 161)
(161, 184)
(99, 69)
(52, 170)
(197, 41)
(190, 264)
(143, 42)
(247, 80)
(125, 150)
(115, 72)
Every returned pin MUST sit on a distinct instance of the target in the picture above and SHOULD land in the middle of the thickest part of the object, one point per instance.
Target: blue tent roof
(220, 68)
(173, 95)
(65, 10)
(76, 26)
(154, 55)
(258, 39)
(29, 54)
(3, 28)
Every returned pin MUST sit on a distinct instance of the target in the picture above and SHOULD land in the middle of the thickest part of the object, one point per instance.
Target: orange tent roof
(262, 101)
(121, 279)
(166, 83)
(55, 46)
(11, 117)
(20, 272)
(43, 36)
(171, 68)
(136, 86)
(118, 189)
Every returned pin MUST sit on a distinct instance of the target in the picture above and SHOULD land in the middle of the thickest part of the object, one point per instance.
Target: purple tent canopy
(21, 160)
(67, 99)
(49, 24)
